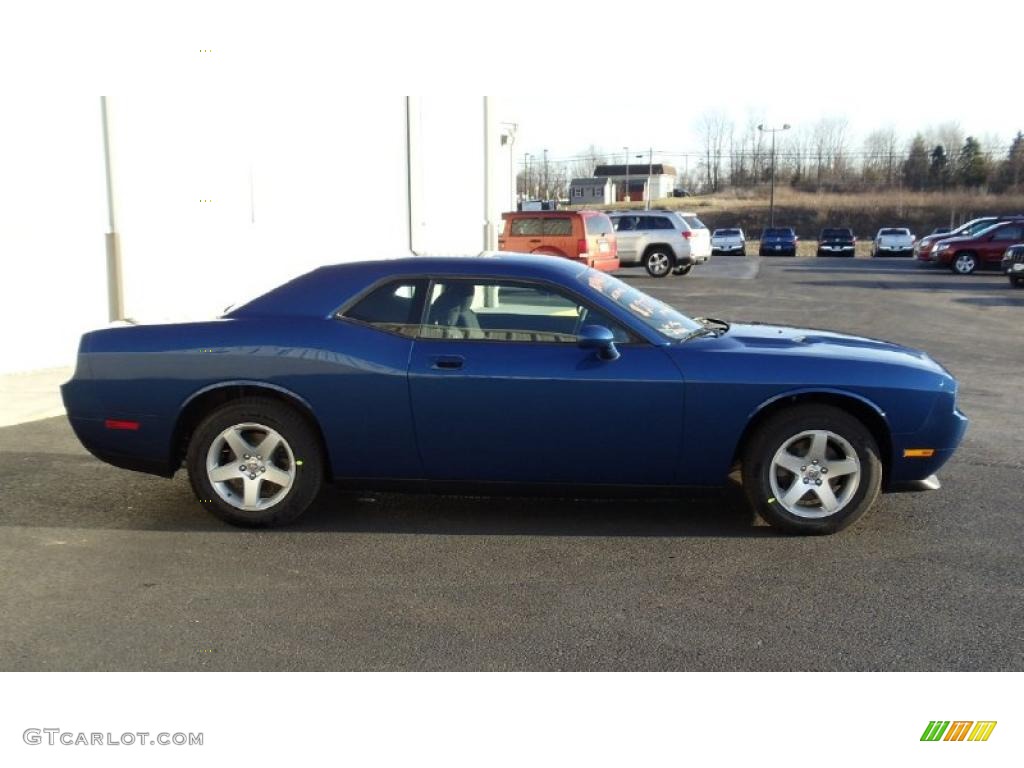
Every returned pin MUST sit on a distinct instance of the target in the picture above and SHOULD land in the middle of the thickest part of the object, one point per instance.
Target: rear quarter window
(540, 226)
(694, 222)
(598, 225)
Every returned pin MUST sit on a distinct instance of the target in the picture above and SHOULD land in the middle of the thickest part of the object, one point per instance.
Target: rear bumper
(606, 265)
(838, 250)
(140, 451)
(896, 250)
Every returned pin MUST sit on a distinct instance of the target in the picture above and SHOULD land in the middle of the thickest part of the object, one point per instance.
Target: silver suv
(661, 241)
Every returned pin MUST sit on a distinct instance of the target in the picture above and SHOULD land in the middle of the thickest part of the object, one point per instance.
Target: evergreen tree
(1014, 167)
(938, 171)
(915, 167)
(972, 165)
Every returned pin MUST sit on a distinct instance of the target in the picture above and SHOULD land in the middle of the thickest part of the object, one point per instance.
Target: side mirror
(599, 338)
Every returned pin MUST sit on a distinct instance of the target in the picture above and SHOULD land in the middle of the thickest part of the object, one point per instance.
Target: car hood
(812, 343)
(955, 240)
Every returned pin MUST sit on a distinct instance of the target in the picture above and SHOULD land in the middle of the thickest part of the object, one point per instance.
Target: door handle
(448, 362)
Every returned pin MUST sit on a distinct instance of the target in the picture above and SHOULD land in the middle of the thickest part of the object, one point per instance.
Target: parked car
(924, 247)
(778, 241)
(730, 241)
(507, 370)
(965, 255)
(1013, 265)
(894, 241)
(837, 241)
(584, 236)
(661, 241)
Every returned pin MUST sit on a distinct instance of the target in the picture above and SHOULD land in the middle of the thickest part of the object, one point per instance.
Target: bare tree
(713, 127)
(583, 166)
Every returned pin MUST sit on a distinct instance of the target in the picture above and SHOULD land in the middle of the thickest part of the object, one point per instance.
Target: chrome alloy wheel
(964, 264)
(250, 466)
(658, 263)
(814, 474)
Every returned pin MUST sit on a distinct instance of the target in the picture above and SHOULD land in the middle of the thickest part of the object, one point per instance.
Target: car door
(500, 391)
(993, 250)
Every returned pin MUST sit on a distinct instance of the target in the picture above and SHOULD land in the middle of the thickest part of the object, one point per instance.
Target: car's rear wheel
(682, 269)
(658, 262)
(964, 263)
(255, 462)
(811, 469)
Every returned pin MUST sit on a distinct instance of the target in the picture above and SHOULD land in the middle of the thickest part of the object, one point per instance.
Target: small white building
(636, 182)
(591, 191)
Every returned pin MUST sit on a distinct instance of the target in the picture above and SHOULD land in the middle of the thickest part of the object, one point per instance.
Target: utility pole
(771, 204)
(625, 197)
(545, 174)
(650, 176)
(115, 284)
(526, 179)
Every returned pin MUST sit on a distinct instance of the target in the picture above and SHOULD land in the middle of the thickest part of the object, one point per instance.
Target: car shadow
(954, 283)
(91, 495)
(1006, 300)
(719, 514)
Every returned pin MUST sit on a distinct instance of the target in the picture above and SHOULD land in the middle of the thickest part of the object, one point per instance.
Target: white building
(220, 198)
(591, 191)
(640, 180)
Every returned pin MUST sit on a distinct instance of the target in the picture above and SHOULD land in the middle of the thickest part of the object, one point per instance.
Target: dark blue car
(505, 372)
(778, 241)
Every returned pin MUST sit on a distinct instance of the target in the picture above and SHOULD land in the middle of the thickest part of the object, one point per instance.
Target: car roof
(535, 214)
(320, 292)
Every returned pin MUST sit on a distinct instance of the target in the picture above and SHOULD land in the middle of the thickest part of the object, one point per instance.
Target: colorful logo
(958, 730)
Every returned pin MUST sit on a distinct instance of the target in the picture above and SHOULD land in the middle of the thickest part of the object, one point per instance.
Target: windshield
(654, 314)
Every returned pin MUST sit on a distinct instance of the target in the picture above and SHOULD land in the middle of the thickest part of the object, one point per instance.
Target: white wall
(293, 183)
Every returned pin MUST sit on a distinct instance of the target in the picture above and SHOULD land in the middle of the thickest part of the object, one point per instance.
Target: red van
(584, 236)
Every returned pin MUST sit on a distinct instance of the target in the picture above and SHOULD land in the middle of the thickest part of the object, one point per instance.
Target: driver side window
(507, 311)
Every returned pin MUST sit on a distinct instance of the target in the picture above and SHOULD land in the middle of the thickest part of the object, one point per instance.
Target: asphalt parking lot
(102, 569)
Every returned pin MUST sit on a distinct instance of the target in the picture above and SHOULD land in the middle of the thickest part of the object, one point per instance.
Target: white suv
(661, 241)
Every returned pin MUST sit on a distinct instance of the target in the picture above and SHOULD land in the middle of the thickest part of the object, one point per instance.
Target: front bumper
(941, 432)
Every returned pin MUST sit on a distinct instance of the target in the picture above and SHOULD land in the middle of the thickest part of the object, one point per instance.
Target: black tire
(299, 437)
(964, 263)
(682, 269)
(657, 259)
(779, 429)
(1017, 282)
(818, 253)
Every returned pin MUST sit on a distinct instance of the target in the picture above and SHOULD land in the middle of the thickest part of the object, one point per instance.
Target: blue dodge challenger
(508, 372)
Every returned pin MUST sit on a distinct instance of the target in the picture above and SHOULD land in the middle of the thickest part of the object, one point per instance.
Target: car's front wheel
(255, 462)
(811, 469)
(964, 263)
(1017, 282)
(658, 262)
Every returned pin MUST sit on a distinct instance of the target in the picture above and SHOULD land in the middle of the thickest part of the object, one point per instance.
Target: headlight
(942, 247)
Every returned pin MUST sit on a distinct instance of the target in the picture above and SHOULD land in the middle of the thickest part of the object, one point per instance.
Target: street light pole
(771, 203)
(545, 174)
